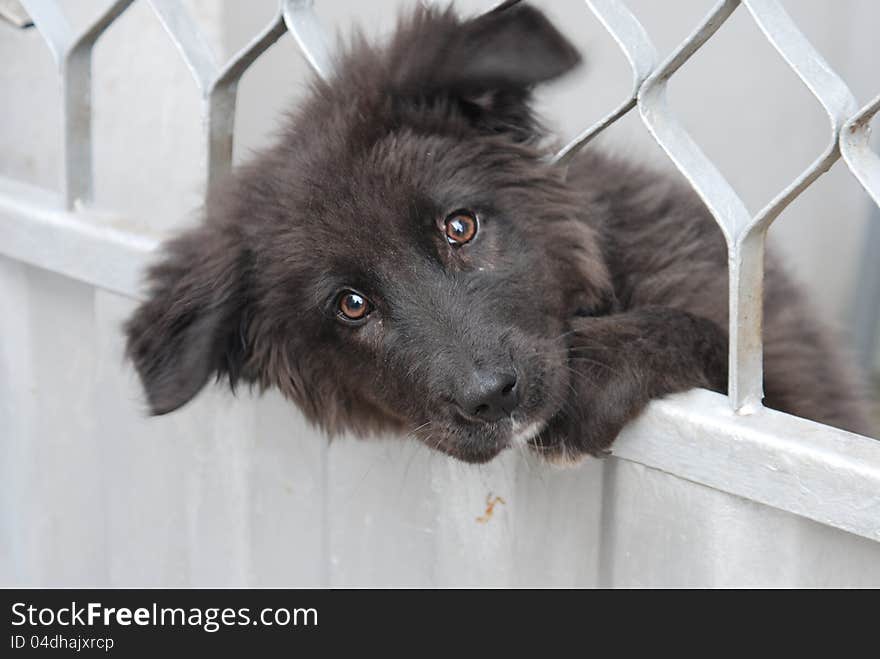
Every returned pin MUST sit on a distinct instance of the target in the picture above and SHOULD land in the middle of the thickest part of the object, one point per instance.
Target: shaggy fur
(589, 292)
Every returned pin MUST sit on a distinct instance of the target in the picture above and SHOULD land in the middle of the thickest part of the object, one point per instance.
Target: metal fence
(732, 445)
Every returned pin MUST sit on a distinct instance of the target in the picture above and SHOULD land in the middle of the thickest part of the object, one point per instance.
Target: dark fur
(601, 290)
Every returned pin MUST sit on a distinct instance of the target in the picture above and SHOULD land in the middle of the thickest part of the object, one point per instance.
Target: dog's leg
(619, 363)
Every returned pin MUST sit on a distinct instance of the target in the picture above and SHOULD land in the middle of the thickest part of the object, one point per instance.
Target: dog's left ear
(490, 63)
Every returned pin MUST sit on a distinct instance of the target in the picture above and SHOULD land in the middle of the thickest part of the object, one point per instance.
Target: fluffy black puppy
(404, 259)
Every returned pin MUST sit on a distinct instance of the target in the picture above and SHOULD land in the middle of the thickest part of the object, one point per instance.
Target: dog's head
(403, 259)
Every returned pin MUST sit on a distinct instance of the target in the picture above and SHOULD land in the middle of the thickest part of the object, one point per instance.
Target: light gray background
(242, 492)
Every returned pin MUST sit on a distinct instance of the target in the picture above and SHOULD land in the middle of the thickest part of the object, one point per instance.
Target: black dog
(405, 260)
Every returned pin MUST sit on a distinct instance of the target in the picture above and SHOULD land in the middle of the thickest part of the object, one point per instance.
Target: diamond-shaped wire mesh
(848, 125)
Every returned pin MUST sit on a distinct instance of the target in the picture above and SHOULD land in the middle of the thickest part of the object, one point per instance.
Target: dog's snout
(489, 395)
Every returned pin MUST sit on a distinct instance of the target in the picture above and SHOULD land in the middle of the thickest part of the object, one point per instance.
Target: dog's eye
(352, 307)
(461, 227)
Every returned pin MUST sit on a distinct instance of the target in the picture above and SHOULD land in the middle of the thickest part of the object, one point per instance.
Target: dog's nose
(489, 395)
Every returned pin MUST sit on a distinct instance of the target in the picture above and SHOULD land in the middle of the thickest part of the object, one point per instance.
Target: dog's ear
(191, 325)
(491, 62)
(512, 47)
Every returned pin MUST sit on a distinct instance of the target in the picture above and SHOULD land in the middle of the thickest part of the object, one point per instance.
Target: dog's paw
(564, 444)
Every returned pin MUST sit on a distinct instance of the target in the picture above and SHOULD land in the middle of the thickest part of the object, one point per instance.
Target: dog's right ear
(490, 62)
(512, 47)
(191, 325)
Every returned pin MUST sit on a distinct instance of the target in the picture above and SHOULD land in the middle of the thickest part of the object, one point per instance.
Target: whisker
(417, 428)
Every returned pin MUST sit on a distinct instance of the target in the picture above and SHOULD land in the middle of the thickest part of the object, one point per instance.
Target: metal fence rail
(798, 466)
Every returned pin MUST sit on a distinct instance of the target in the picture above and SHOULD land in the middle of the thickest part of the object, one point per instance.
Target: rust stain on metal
(491, 502)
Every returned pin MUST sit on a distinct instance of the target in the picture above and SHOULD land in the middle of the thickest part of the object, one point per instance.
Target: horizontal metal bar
(36, 229)
(806, 468)
(799, 466)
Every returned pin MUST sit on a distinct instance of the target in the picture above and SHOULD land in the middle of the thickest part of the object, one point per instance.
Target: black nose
(489, 395)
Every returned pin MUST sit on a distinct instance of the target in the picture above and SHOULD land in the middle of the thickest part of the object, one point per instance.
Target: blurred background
(739, 100)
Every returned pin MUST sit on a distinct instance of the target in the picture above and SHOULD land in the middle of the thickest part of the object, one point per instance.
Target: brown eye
(353, 306)
(461, 227)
